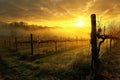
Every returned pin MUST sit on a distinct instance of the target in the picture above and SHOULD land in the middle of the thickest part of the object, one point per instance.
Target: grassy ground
(110, 67)
(73, 64)
(67, 65)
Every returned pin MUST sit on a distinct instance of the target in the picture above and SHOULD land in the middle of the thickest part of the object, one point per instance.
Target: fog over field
(21, 29)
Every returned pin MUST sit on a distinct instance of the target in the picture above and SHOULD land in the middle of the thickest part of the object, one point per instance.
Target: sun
(79, 24)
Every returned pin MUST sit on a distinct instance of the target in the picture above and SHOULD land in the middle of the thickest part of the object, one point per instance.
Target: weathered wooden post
(65, 44)
(56, 46)
(76, 41)
(94, 61)
(107, 46)
(31, 41)
(110, 45)
(16, 45)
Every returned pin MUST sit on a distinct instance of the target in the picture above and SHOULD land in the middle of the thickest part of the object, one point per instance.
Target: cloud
(42, 9)
(38, 10)
(100, 6)
(30, 8)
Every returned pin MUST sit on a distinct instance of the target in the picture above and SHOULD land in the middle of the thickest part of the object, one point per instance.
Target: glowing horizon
(75, 22)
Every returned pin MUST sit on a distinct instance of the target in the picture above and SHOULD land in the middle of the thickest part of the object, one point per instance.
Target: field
(59, 40)
(63, 65)
(110, 68)
(43, 57)
(70, 61)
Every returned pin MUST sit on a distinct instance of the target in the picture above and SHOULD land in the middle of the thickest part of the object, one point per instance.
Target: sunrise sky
(64, 13)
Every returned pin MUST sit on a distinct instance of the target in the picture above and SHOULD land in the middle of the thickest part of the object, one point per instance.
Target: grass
(110, 68)
(67, 65)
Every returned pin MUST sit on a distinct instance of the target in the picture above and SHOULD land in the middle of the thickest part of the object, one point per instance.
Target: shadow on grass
(8, 73)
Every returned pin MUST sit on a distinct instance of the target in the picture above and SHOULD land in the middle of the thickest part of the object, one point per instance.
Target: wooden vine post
(94, 61)
(31, 42)
(96, 34)
(16, 45)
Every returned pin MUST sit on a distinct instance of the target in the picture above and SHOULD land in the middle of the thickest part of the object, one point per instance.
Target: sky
(63, 13)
